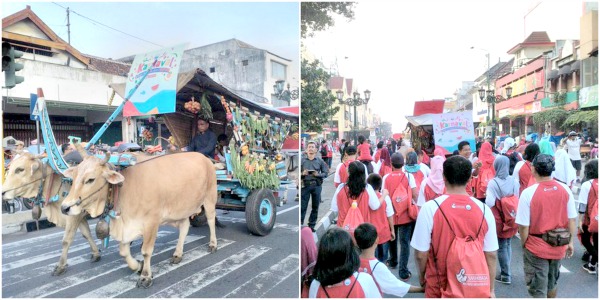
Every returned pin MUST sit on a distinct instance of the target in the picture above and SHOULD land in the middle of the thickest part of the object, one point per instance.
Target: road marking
(82, 277)
(128, 283)
(201, 279)
(563, 269)
(53, 254)
(25, 274)
(272, 277)
(287, 209)
(37, 240)
(294, 228)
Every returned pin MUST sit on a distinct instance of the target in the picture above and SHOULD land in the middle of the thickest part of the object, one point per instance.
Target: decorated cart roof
(192, 83)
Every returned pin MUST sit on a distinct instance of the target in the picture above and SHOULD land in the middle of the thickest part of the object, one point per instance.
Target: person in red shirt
(403, 225)
(467, 216)
(413, 167)
(378, 152)
(485, 164)
(364, 153)
(522, 172)
(341, 171)
(326, 153)
(308, 258)
(385, 163)
(544, 206)
(355, 188)
(588, 198)
(382, 218)
(335, 273)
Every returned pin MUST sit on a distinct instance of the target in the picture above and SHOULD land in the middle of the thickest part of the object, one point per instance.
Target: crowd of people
(458, 212)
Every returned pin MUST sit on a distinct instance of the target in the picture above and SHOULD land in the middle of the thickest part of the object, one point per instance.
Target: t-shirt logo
(347, 227)
(513, 213)
(467, 207)
(554, 188)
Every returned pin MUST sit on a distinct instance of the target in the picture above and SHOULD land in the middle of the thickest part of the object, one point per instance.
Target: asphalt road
(574, 282)
(245, 266)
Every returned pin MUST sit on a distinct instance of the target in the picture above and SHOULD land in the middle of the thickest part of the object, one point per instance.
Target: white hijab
(563, 169)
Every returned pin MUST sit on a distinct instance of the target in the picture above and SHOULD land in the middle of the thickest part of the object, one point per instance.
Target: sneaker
(390, 264)
(504, 280)
(407, 277)
(586, 256)
(590, 268)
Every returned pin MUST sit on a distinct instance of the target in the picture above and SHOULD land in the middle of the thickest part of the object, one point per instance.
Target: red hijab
(486, 155)
(425, 159)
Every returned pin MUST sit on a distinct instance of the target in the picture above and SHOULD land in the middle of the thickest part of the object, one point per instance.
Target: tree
(317, 100)
(317, 16)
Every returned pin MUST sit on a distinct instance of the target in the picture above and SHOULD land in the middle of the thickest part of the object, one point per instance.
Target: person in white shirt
(574, 148)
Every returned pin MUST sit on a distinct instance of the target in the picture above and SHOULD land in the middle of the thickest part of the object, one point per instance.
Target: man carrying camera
(314, 170)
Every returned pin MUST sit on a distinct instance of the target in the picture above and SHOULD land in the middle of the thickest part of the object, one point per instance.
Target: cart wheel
(28, 202)
(199, 220)
(260, 211)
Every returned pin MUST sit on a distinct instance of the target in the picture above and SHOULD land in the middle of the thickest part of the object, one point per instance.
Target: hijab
(545, 147)
(384, 158)
(426, 160)
(436, 177)
(563, 169)
(503, 180)
(412, 163)
(486, 155)
(508, 143)
(439, 152)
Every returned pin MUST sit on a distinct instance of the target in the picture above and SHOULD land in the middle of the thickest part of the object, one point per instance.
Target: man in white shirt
(573, 148)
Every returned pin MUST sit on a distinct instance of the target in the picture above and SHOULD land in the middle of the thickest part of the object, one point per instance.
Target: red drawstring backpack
(467, 272)
(505, 213)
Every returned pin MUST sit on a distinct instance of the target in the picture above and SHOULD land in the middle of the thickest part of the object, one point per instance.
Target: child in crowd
(336, 273)
(367, 240)
(382, 218)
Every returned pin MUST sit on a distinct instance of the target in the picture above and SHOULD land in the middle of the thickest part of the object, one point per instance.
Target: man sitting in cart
(205, 141)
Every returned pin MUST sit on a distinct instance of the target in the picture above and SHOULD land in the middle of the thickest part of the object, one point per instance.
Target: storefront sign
(588, 96)
(450, 129)
(156, 93)
(503, 113)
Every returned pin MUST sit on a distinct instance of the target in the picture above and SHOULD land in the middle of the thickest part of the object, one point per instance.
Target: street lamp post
(492, 99)
(285, 95)
(354, 101)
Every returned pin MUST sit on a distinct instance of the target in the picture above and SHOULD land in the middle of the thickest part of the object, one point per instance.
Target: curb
(324, 224)
(12, 223)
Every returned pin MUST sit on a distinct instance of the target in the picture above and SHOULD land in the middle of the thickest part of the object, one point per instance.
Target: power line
(99, 23)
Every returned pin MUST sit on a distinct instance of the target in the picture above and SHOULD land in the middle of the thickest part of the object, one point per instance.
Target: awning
(564, 70)
(576, 66)
(553, 74)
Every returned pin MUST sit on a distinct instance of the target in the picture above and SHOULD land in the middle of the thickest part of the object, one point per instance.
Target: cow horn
(106, 156)
(81, 151)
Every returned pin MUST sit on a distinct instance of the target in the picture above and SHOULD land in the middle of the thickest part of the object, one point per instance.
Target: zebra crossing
(243, 266)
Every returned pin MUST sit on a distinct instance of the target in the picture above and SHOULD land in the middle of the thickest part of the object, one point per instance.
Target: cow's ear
(113, 177)
(34, 166)
(69, 172)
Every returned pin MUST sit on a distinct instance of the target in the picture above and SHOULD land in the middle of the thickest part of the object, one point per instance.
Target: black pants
(404, 234)
(307, 192)
(591, 247)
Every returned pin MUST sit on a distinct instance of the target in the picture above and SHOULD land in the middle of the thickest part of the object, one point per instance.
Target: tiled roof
(537, 37)
(349, 86)
(336, 83)
(109, 66)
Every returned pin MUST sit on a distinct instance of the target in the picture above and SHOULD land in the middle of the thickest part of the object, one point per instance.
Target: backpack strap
(325, 290)
(373, 269)
(499, 202)
(352, 287)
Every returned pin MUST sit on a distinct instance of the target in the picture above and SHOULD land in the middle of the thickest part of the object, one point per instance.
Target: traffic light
(9, 66)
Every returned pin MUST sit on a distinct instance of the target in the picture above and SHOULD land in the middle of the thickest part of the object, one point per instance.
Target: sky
(408, 51)
(270, 26)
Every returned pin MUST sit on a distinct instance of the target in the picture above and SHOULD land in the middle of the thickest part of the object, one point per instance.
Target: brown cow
(23, 179)
(163, 190)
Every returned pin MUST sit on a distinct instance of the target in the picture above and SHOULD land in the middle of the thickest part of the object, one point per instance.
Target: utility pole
(68, 27)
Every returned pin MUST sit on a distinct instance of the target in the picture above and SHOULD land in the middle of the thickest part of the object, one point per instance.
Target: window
(277, 70)
(212, 69)
(244, 62)
(590, 71)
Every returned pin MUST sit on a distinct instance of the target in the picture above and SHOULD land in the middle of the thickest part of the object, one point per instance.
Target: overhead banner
(452, 128)
(156, 92)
